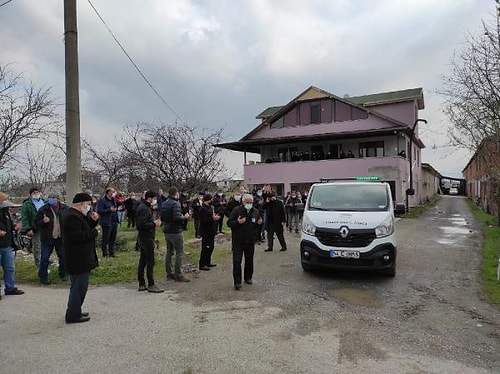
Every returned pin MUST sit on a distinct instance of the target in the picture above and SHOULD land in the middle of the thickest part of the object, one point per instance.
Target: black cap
(81, 197)
(34, 189)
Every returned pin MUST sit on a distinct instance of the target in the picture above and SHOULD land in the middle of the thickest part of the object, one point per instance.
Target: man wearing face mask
(219, 203)
(79, 233)
(233, 202)
(28, 213)
(108, 219)
(6, 252)
(208, 220)
(146, 227)
(243, 221)
(48, 219)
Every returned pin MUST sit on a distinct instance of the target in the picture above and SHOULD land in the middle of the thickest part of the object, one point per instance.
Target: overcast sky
(218, 63)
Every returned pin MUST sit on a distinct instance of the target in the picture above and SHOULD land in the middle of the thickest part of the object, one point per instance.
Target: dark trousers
(77, 292)
(278, 229)
(47, 248)
(108, 240)
(146, 260)
(130, 219)
(207, 248)
(197, 228)
(218, 224)
(239, 250)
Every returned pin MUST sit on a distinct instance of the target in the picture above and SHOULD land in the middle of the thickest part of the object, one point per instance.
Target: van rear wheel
(391, 272)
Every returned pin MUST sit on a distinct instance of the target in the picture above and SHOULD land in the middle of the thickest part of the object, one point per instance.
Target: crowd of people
(72, 232)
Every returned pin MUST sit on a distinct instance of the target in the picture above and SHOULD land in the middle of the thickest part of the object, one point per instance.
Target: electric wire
(5, 3)
(135, 65)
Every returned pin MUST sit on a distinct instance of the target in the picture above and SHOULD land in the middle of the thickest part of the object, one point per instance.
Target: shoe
(112, 255)
(268, 250)
(296, 231)
(45, 281)
(248, 281)
(181, 278)
(79, 320)
(170, 277)
(205, 267)
(282, 249)
(142, 287)
(290, 230)
(154, 288)
(237, 286)
(212, 265)
(14, 291)
(85, 314)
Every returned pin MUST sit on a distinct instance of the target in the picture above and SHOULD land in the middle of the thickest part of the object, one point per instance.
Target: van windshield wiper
(317, 208)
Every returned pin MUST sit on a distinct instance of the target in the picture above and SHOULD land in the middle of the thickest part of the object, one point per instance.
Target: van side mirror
(400, 209)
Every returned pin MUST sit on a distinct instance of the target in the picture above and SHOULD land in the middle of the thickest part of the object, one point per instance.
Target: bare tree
(26, 113)
(178, 155)
(41, 163)
(472, 100)
(112, 165)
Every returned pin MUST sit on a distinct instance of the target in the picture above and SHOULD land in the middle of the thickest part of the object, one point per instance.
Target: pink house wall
(405, 112)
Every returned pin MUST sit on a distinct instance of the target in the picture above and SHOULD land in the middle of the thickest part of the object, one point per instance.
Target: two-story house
(318, 135)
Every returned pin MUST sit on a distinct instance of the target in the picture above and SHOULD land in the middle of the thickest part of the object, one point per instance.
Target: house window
(371, 149)
(283, 154)
(278, 124)
(317, 152)
(333, 153)
(316, 113)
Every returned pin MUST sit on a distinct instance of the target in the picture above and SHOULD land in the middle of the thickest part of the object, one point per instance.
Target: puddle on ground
(459, 221)
(356, 296)
(450, 230)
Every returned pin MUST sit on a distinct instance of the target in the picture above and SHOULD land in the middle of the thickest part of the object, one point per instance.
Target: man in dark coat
(173, 227)
(108, 218)
(275, 221)
(79, 235)
(146, 227)
(243, 221)
(196, 204)
(208, 220)
(219, 203)
(48, 220)
(130, 211)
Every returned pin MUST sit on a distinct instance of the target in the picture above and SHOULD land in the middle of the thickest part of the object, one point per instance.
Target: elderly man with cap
(6, 252)
(28, 212)
(79, 235)
(48, 220)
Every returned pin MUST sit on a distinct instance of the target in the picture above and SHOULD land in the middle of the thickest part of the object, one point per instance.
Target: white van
(349, 225)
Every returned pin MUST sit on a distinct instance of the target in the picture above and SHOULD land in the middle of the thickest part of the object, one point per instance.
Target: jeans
(8, 266)
(146, 260)
(121, 216)
(207, 248)
(77, 292)
(47, 249)
(175, 242)
(36, 247)
(108, 240)
(239, 250)
(293, 221)
(278, 229)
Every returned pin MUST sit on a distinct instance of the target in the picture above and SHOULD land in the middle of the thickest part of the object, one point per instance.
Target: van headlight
(386, 228)
(308, 227)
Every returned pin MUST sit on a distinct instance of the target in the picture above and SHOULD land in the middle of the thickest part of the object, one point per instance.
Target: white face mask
(237, 197)
(85, 210)
(36, 196)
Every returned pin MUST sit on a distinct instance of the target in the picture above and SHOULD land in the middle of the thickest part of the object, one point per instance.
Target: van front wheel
(391, 272)
(306, 267)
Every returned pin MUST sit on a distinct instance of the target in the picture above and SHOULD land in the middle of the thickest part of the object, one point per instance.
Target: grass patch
(123, 267)
(418, 210)
(491, 254)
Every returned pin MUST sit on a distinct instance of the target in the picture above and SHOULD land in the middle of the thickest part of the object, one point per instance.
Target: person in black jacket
(243, 221)
(48, 221)
(79, 234)
(275, 221)
(208, 220)
(146, 227)
(173, 227)
(196, 204)
(6, 243)
(130, 211)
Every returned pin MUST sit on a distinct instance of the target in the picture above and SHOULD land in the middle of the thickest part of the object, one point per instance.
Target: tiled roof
(268, 112)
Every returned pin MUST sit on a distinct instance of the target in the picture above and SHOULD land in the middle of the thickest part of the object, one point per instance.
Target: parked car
(453, 191)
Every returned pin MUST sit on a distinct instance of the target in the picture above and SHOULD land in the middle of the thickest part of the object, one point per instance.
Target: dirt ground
(430, 318)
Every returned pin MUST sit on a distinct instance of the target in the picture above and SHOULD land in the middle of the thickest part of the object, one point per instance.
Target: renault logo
(344, 232)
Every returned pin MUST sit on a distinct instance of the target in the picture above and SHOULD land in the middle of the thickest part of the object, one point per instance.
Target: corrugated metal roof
(389, 97)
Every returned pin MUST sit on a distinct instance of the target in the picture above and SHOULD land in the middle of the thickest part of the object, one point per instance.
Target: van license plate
(344, 254)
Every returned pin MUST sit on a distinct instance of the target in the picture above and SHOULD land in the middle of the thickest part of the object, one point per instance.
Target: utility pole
(73, 153)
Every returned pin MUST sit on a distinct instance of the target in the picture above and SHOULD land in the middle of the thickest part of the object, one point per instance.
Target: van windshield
(349, 197)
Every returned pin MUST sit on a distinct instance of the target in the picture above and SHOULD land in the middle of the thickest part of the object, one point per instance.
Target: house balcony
(394, 168)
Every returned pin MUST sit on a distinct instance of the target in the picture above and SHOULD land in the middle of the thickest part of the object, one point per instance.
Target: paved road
(429, 319)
